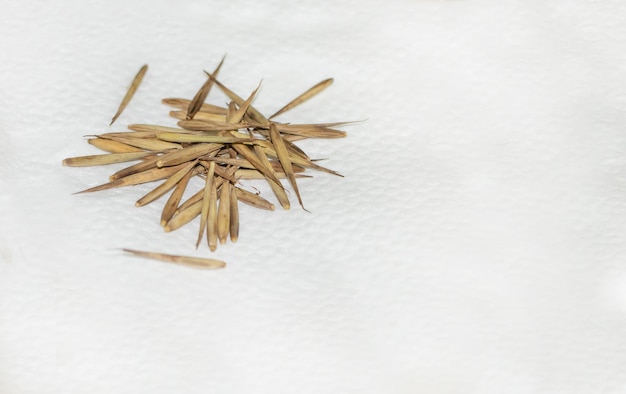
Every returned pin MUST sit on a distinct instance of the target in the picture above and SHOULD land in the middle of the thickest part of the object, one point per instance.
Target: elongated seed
(187, 154)
(183, 104)
(234, 214)
(198, 100)
(145, 143)
(165, 186)
(98, 160)
(206, 200)
(279, 190)
(316, 89)
(212, 220)
(285, 161)
(152, 175)
(237, 116)
(112, 146)
(131, 92)
(253, 199)
(184, 216)
(172, 202)
(195, 262)
(223, 214)
(196, 138)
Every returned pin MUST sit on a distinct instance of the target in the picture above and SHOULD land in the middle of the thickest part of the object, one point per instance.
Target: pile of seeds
(221, 145)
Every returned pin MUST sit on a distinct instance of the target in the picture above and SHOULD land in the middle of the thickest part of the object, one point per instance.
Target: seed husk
(195, 262)
(279, 190)
(112, 146)
(183, 104)
(206, 200)
(152, 175)
(187, 154)
(285, 161)
(234, 214)
(165, 186)
(201, 95)
(253, 199)
(184, 216)
(131, 92)
(223, 214)
(316, 89)
(145, 143)
(172, 202)
(197, 138)
(260, 166)
(98, 160)
(212, 220)
(237, 116)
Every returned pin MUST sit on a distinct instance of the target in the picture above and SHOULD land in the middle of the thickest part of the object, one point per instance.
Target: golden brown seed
(254, 114)
(223, 214)
(112, 146)
(175, 197)
(195, 262)
(202, 125)
(304, 96)
(253, 199)
(131, 91)
(203, 116)
(279, 190)
(234, 214)
(198, 100)
(165, 186)
(187, 154)
(184, 216)
(183, 104)
(212, 220)
(197, 138)
(154, 129)
(146, 143)
(285, 161)
(98, 160)
(251, 157)
(145, 165)
(237, 116)
(152, 175)
(206, 200)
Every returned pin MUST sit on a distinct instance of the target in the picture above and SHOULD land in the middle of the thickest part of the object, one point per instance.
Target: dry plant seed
(184, 216)
(131, 92)
(187, 154)
(253, 199)
(206, 200)
(304, 96)
(154, 129)
(152, 175)
(195, 262)
(234, 214)
(183, 104)
(239, 113)
(165, 186)
(279, 190)
(112, 146)
(145, 143)
(175, 197)
(212, 219)
(285, 161)
(98, 160)
(198, 100)
(223, 214)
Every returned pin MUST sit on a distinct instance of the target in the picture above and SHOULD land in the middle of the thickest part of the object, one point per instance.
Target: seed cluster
(221, 145)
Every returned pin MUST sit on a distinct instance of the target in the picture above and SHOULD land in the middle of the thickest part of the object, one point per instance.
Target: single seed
(206, 200)
(285, 161)
(175, 197)
(112, 146)
(131, 91)
(198, 100)
(165, 186)
(279, 190)
(223, 213)
(98, 160)
(212, 219)
(253, 199)
(304, 96)
(195, 262)
(234, 214)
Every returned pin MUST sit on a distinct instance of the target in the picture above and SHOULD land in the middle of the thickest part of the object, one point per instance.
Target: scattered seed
(131, 92)
(195, 262)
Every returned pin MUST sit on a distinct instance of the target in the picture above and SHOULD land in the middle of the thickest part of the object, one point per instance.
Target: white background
(477, 243)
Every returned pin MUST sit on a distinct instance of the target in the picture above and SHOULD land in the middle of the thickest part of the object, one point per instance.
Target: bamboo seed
(98, 160)
(223, 213)
(112, 146)
(201, 95)
(313, 91)
(206, 200)
(195, 262)
(165, 186)
(131, 92)
(172, 202)
(285, 161)
(234, 214)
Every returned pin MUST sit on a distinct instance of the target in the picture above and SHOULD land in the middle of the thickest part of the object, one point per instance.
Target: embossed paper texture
(475, 245)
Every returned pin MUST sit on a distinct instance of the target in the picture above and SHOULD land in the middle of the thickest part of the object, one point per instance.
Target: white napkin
(475, 245)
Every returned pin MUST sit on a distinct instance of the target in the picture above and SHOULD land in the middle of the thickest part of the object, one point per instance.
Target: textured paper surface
(475, 245)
